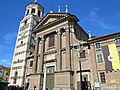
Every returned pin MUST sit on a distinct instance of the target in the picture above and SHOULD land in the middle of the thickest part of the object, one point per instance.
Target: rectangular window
(102, 77)
(51, 40)
(51, 69)
(82, 54)
(38, 13)
(118, 41)
(98, 47)
(99, 58)
(119, 54)
(14, 81)
(31, 63)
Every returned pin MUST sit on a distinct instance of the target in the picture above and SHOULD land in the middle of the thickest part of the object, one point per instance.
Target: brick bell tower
(24, 42)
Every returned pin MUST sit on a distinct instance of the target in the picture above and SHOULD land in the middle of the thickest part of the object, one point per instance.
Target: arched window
(21, 42)
(31, 63)
(15, 77)
(15, 74)
(51, 40)
(14, 81)
(39, 13)
(33, 10)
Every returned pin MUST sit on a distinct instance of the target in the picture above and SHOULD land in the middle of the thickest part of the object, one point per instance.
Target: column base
(35, 88)
(35, 81)
(64, 88)
(63, 80)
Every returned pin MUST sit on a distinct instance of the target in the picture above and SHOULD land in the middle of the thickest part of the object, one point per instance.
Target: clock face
(110, 58)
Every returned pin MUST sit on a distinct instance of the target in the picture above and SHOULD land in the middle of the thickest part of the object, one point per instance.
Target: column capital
(36, 39)
(42, 38)
(71, 26)
(67, 28)
(58, 31)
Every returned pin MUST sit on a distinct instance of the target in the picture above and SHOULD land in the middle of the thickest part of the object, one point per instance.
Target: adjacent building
(4, 73)
(105, 57)
(4, 76)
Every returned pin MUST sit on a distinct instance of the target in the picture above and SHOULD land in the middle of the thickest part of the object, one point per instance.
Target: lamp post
(79, 50)
(80, 75)
(44, 82)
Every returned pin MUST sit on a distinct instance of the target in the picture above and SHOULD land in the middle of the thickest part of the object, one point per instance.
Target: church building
(53, 52)
(55, 63)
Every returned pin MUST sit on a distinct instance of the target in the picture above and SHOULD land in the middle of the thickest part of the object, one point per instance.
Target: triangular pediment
(50, 20)
(50, 17)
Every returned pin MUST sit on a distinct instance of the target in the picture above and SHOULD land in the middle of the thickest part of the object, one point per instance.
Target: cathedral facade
(55, 63)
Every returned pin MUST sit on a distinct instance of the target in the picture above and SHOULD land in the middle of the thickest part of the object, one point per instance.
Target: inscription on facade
(50, 56)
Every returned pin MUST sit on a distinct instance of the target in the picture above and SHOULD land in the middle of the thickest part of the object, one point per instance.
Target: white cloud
(103, 25)
(6, 48)
(9, 37)
(5, 62)
(97, 19)
(117, 14)
(93, 13)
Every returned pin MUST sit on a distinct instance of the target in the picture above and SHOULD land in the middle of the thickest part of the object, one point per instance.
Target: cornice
(105, 37)
(78, 26)
(50, 52)
(30, 56)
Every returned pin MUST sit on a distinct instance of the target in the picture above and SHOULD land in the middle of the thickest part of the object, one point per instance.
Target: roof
(36, 4)
(104, 37)
(4, 67)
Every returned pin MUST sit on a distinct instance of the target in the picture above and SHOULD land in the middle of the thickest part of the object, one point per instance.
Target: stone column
(68, 54)
(35, 56)
(59, 62)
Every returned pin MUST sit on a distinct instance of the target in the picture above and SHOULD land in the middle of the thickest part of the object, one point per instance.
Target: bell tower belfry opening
(34, 9)
(25, 42)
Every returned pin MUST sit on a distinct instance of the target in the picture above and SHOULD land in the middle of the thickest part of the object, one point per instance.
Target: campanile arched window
(15, 74)
(33, 10)
(15, 77)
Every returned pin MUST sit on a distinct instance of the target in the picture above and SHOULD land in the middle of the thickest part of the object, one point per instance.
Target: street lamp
(44, 81)
(81, 57)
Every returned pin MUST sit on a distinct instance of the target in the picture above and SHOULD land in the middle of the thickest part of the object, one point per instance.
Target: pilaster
(68, 54)
(35, 56)
(41, 53)
(59, 61)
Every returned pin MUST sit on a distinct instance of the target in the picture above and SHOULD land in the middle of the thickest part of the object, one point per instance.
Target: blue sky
(99, 16)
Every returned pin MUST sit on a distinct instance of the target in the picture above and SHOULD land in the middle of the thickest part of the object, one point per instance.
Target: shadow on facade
(15, 88)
